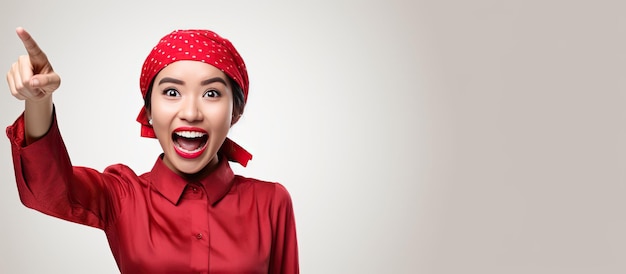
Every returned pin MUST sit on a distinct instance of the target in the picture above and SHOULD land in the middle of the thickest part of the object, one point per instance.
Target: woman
(190, 213)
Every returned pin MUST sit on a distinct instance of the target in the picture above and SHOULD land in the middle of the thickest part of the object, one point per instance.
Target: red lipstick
(190, 142)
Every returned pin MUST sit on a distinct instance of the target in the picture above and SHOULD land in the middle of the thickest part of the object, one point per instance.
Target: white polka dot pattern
(198, 45)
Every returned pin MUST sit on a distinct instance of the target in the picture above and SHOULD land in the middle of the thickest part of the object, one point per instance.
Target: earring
(150, 121)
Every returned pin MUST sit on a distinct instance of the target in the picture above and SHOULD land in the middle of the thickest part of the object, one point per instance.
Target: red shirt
(159, 222)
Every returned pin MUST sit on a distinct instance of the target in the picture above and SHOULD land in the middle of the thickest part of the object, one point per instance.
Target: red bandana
(197, 45)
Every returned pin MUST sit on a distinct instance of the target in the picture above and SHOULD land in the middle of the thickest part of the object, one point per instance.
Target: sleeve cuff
(17, 132)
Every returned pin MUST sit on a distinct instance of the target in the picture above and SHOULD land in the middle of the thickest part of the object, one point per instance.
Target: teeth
(190, 134)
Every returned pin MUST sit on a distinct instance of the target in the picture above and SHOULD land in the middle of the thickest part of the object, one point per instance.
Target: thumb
(48, 82)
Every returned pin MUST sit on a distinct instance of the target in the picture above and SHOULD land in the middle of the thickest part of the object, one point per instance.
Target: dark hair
(238, 99)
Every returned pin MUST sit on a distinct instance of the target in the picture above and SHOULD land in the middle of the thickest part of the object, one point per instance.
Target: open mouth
(190, 143)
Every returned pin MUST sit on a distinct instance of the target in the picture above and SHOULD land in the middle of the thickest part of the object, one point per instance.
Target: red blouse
(158, 222)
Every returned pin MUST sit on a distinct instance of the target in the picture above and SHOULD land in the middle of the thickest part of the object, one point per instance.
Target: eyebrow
(213, 80)
(171, 80)
(204, 83)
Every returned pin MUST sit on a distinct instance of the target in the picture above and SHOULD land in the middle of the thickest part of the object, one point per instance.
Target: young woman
(190, 213)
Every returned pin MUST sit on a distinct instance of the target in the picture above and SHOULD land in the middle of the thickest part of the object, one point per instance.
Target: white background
(414, 136)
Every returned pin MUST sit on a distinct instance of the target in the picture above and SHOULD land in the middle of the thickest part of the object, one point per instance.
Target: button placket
(199, 236)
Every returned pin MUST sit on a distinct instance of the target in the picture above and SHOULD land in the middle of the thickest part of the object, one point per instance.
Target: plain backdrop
(414, 136)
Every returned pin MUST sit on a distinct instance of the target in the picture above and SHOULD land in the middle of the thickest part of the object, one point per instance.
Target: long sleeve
(47, 181)
(284, 257)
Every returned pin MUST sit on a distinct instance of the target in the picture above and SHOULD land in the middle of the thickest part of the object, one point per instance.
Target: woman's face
(191, 111)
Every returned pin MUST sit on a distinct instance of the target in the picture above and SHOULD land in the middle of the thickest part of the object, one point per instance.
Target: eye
(170, 92)
(211, 93)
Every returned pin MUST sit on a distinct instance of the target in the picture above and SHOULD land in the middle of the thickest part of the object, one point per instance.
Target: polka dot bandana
(202, 46)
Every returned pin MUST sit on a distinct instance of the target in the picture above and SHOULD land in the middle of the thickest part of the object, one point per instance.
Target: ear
(149, 116)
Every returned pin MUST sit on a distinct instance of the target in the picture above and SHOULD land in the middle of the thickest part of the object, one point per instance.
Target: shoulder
(274, 191)
(120, 170)
(124, 173)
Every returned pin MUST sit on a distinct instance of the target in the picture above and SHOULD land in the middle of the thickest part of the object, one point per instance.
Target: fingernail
(35, 82)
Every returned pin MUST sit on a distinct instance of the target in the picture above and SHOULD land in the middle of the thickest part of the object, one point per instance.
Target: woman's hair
(238, 98)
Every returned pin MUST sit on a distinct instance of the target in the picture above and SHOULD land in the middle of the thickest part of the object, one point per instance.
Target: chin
(191, 164)
(191, 167)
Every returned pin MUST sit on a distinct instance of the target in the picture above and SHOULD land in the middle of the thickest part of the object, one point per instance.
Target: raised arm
(46, 179)
(33, 80)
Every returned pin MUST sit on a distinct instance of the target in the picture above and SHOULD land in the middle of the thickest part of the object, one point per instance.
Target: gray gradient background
(414, 136)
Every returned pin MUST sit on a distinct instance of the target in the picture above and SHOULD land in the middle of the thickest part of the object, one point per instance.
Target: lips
(190, 142)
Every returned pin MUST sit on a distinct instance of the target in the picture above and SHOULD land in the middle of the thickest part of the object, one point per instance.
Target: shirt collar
(172, 186)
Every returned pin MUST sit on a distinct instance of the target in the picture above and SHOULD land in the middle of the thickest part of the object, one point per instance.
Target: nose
(190, 110)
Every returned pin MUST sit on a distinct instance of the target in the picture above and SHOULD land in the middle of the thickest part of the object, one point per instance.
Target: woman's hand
(32, 78)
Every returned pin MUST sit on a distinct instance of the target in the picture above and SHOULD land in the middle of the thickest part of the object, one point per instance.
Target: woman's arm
(49, 183)
(45, 177)
(284, 257)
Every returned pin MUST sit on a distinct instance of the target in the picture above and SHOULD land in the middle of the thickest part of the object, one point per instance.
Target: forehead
(187, 69)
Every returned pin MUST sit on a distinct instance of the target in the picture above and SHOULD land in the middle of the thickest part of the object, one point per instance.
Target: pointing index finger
(34, 52)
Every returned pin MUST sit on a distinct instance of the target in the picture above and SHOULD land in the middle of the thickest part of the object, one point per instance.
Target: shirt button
(199, 236)
(194, 189)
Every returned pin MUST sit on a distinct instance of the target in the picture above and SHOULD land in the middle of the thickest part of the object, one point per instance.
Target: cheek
(218, 112)
(221, 115)
(161, 118)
